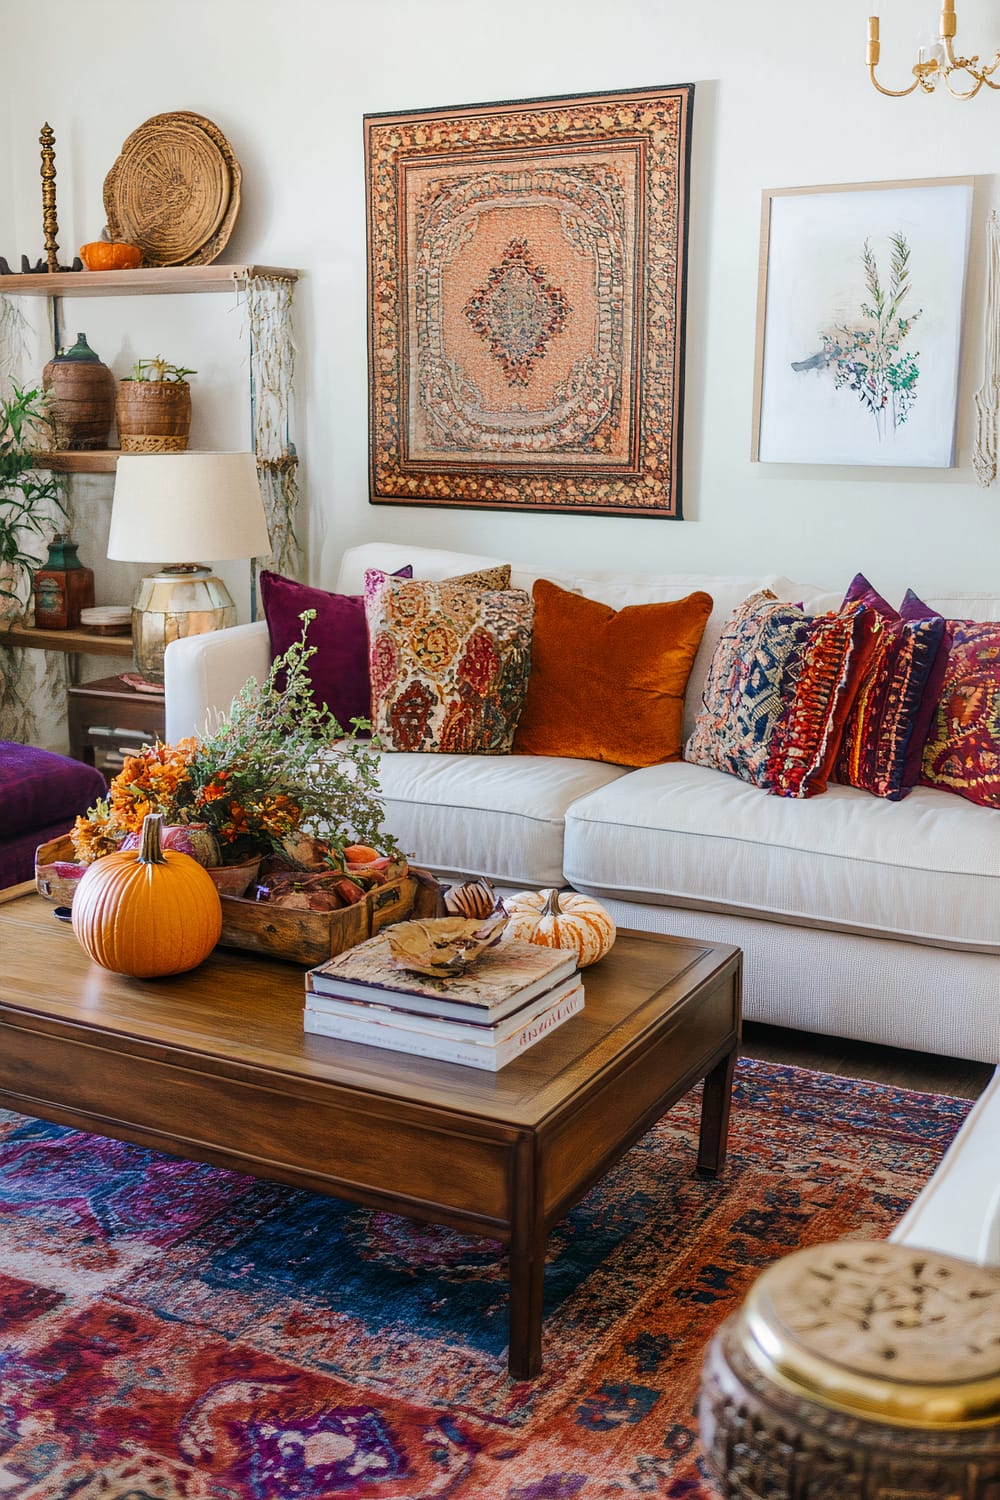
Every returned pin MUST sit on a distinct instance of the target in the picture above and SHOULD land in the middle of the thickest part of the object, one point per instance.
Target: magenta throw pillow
(914, 608)
(339, 670)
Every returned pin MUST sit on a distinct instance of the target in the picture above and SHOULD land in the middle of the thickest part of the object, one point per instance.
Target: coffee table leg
(715, 1102)
(528, 1241)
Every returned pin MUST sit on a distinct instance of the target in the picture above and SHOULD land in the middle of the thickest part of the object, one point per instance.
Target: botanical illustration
(862, 287)
(866, 357)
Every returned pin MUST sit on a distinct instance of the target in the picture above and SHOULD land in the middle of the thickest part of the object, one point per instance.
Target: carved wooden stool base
(858, 1371)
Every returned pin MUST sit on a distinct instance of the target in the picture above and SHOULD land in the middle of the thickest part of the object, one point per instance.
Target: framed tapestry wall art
(526, 286)
(859, 323)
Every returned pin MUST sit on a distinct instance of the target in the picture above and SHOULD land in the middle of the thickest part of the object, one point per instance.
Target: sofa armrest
(203, 673)
(958, 1211)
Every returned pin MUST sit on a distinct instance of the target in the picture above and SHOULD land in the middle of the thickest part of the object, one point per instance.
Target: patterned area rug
(173, 1332)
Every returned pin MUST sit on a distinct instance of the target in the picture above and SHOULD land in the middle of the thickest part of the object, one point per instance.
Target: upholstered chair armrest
(958, 1211)
(203, 673)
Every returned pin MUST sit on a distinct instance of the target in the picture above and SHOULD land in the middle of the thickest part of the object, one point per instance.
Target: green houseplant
(153, 408)
(30, 498)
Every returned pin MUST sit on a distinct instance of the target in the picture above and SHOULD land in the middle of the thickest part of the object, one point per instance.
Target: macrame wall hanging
(272, 367)
(984, 457)
(13, 339)
(32, 683)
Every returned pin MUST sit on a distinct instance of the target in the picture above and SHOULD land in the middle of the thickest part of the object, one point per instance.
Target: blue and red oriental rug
(173, 1332)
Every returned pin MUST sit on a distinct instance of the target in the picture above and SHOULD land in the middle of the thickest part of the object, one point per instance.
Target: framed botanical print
(859, 323)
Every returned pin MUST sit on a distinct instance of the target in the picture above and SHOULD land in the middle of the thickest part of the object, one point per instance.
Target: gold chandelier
(936, 63)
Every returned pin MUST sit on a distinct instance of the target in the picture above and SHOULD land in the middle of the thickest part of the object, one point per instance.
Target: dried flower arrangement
(276, 777)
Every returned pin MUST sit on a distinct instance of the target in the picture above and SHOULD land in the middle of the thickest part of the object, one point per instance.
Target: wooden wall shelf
(150, 280)
(76, 642)
(94, 461)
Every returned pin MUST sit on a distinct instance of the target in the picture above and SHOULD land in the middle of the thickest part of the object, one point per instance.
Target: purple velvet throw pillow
(339, 670)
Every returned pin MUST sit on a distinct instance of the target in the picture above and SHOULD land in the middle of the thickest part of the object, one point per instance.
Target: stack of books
(514, 995)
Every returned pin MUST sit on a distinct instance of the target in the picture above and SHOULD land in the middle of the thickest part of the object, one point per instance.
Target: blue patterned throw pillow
(750, 683)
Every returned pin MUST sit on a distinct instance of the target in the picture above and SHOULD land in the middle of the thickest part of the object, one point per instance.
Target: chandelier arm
(892, 93)
(964, 93)
(926, 74)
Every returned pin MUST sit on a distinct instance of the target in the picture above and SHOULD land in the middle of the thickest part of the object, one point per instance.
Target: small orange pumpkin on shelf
(110, 255)
(562, 919)
(147, 911)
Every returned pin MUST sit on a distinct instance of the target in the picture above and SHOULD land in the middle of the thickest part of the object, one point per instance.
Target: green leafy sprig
(30, 497)
(275, 742)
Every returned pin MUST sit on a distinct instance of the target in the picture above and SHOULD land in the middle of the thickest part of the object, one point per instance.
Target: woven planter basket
(153, 416)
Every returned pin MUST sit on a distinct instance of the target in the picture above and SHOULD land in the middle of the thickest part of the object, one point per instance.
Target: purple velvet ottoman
(40, 795)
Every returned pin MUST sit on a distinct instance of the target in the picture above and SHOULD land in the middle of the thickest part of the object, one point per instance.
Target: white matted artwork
(859, 323)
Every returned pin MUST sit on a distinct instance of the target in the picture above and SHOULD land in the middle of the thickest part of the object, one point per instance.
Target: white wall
(782, 99)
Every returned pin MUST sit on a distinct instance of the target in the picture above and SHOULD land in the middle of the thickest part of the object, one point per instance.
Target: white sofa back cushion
(618, 590)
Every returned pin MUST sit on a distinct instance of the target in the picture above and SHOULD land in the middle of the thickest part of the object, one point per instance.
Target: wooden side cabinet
(108, 720)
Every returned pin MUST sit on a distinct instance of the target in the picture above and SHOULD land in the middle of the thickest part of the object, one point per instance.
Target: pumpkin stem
(551, 907)
(151, 848)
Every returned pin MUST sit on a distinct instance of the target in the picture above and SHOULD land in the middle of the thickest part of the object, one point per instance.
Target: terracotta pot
(82, 397)
(153, 416)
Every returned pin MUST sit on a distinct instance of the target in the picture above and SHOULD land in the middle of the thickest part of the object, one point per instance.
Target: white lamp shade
(187, 507)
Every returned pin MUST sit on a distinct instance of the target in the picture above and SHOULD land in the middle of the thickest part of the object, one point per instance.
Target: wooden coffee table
(215, 1066)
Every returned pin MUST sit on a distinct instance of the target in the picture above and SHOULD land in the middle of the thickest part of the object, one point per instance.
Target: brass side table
(858, 1371)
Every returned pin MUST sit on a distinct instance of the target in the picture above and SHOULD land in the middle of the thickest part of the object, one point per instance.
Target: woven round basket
(153, 416)
(174, 190)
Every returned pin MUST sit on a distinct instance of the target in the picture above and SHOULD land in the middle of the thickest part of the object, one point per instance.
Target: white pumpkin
(561, 919)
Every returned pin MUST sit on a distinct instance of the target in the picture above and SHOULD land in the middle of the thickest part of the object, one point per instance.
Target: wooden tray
(300, 937)
(309, 937)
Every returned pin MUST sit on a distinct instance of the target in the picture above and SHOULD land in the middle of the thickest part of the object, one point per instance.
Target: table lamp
(180, 505)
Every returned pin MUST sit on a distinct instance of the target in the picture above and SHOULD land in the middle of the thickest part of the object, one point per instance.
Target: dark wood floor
(910, 1070)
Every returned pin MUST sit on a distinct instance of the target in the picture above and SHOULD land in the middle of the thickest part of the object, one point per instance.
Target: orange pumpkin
(148, 911)
(562, 919)
(110, 255)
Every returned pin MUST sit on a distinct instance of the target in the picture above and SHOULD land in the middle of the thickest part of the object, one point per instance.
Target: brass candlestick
(50, 223)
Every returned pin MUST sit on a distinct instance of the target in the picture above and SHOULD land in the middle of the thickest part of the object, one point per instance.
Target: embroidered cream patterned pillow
(449, 663)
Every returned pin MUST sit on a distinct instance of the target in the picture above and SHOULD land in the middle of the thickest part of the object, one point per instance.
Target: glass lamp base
(176, 602)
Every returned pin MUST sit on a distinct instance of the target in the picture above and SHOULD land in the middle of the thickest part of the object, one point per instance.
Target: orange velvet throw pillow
(609, 684)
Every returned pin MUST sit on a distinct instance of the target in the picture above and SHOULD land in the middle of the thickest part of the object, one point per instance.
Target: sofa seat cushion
(926, 869)
(496, 815)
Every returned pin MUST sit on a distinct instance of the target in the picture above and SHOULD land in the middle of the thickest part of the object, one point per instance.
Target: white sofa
(857, 917)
